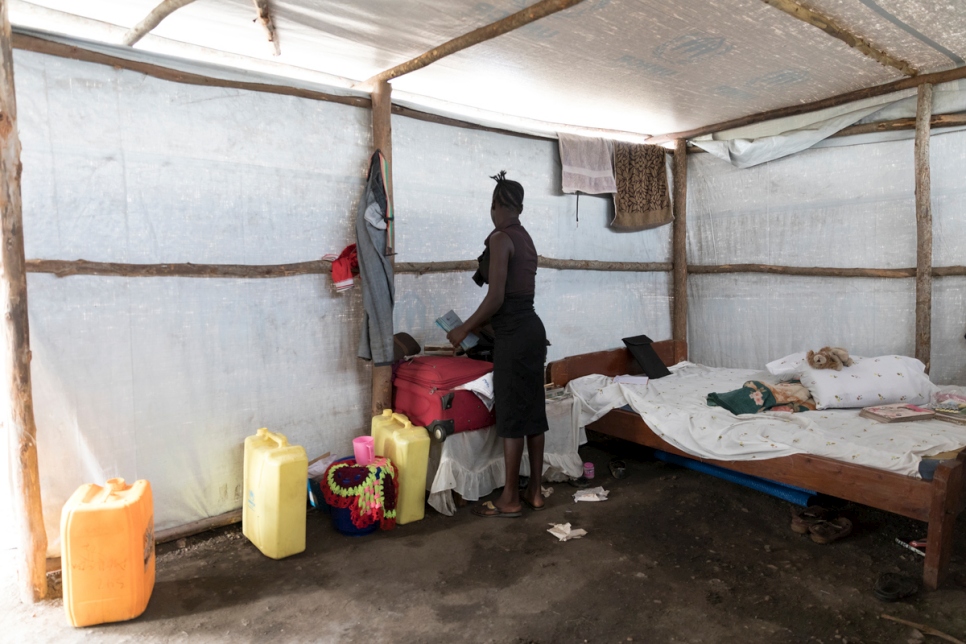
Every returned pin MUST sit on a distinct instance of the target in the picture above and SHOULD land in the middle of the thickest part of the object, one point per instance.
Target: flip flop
(803, 518)
(580, 482)
(533, 507)
(618, 468)
(825, 532)
(489, 511)
(892, 587)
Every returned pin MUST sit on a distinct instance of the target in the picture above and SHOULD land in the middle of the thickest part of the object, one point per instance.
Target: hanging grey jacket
(375, 269)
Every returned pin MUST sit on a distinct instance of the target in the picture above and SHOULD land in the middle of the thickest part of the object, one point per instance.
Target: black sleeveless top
(521, 272)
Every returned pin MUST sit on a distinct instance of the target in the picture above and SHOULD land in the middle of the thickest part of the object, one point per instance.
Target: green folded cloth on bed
(755, 397)
(752, 398)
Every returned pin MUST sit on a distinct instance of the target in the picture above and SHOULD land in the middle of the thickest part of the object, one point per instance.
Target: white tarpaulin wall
(842, 207)
(162, 378)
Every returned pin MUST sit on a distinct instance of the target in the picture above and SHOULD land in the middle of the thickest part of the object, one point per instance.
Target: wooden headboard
(613, 362)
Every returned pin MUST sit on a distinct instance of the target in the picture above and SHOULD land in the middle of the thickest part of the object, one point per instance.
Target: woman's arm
(501, 249)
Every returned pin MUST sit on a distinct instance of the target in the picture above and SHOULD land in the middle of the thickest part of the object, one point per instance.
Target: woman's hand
(457, 335)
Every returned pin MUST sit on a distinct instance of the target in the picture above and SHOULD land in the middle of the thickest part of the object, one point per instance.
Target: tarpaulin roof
(644, 66)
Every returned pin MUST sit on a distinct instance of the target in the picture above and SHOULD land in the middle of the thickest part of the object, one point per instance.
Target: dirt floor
(672, 556)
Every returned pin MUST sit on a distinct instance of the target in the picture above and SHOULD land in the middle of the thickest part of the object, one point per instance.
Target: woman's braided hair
(508, 193)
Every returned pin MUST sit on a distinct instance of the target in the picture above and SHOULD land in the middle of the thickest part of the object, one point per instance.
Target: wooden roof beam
(832, 28)
(152, 20)
(265, 20)
(534, 12)
(936, 78)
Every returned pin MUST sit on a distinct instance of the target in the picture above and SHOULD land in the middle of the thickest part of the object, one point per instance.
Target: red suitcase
(423, 391)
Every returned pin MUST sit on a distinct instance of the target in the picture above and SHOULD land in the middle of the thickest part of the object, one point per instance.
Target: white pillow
(789, 367)
(870, 381)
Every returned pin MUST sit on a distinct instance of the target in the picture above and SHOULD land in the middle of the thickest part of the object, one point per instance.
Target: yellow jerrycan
(276, 476)
(407, 447)
(107, 552)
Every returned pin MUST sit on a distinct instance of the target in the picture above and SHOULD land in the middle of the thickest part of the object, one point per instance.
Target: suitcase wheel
(440, 429)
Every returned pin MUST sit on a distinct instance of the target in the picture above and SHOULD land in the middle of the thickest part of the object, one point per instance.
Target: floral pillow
(870, 381)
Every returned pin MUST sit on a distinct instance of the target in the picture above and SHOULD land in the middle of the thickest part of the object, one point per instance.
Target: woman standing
(509, 266)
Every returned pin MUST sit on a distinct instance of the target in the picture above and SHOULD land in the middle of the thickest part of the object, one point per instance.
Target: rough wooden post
(22, 433)
(949, 487)
(679, 245)
(382, 140)
(923, 228)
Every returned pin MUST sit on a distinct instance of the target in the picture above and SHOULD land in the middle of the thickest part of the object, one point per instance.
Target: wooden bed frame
(937, 502)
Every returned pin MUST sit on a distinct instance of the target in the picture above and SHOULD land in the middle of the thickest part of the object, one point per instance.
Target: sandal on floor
(825, 532)
(802, 518)
(618, 468)
(490, 511)
(580, 482)
(535, 508)
(892, 587)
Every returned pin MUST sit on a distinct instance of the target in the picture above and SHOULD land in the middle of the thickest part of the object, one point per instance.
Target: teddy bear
(829, 358)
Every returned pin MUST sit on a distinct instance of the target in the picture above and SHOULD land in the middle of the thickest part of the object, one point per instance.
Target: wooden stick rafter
(834, 29)
(264, 18)
(534, 12)
(832, 101)
(152, 20)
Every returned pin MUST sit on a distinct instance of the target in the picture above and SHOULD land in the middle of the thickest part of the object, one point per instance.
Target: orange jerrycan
(108, 552)
(276, 494)
(407, 447)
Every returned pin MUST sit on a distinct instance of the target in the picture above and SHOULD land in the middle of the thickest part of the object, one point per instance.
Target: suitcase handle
(403, 420)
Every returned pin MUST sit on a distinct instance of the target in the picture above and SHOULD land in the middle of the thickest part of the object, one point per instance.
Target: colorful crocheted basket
(369, 491)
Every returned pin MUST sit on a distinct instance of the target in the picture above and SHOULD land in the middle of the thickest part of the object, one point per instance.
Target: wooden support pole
(265, 20)
(513, 21)
(679, 244)
(152, 20)
(835, 30)
(923, 228)
(382, 141)
(22, 432)
(949, 490)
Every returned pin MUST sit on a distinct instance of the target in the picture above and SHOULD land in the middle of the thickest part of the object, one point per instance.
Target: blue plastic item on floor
(342, 520)
(790, 493)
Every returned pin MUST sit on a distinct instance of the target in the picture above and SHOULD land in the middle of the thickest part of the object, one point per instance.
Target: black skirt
(519, 356)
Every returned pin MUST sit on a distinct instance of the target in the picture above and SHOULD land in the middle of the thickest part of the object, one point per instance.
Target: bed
(937, 502)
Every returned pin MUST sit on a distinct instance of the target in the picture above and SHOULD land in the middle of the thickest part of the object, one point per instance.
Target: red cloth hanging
(344, 266)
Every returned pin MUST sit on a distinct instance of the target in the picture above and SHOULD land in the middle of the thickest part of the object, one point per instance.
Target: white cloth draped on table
(471, 463)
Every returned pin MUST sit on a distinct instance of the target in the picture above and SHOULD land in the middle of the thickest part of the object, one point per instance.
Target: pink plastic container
(364, 449)
(588, 470)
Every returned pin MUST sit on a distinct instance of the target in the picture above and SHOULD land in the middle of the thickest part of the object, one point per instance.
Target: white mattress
(676, 408)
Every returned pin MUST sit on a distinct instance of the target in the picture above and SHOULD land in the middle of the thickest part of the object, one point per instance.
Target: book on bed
(951, 414)
(449, 321)
(897, 413)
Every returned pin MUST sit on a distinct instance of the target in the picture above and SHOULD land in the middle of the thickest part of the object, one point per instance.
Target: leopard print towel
(642, 199)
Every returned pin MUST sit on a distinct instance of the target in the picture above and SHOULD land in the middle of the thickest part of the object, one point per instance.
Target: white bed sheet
(676, 408)
(471, 463)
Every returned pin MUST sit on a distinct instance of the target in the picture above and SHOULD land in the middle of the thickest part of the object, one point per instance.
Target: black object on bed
(645, 355)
